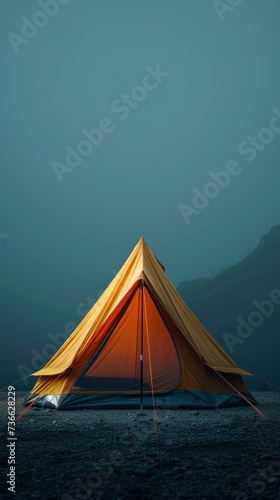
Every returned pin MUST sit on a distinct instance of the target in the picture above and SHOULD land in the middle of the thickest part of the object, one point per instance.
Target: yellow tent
(140, 340)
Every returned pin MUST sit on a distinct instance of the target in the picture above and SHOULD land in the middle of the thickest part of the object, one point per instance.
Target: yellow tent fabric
(60, 373)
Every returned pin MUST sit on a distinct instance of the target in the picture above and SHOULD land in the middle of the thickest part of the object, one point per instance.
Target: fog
(167, 98)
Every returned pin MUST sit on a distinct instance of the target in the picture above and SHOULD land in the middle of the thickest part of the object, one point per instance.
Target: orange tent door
(140, 329)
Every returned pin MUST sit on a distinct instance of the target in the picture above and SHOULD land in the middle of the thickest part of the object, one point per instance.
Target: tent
(139, 346)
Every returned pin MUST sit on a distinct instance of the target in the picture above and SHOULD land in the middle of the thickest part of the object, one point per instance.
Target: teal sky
(66, 238)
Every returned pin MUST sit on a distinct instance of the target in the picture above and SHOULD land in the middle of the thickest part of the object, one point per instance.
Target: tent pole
(141, 366)
(141, 353)
(151, 370)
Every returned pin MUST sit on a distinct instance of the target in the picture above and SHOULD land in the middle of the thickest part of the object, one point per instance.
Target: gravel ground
(112, 454)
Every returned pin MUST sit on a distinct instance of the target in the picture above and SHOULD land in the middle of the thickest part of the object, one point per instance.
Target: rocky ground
(220, 454)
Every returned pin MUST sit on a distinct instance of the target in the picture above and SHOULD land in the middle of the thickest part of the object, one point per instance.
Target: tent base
(176, 400)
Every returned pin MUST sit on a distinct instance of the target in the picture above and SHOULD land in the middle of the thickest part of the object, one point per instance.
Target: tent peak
(142, 242)
(145, 249)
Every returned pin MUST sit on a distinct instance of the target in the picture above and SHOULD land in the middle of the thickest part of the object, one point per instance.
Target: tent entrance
(137, 352)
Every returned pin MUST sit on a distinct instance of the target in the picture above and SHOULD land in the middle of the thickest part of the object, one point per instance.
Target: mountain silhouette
(241, 308)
